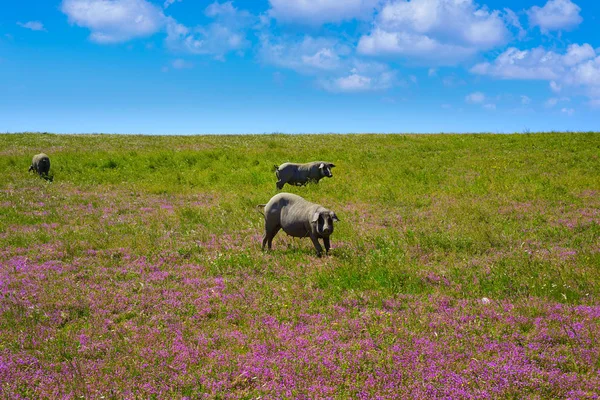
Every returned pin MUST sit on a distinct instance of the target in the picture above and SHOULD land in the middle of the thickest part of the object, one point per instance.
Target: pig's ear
(315, 217)
(331, 165)
(334, 217)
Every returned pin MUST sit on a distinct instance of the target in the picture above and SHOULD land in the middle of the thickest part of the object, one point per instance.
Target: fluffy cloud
(527, 64)
(114, 21)
(585, 74)
(227, 34)
(352, 83)
(525, 100)
(228, 13)
(362, 77)
(480, 99)
(577, 54)
(436, 31)
(327, 60)
(555, 87)
(382, 43)
(555, 15)
(475, 98)
(308, 55)
(568, 111)
(323, 59)
(317, 12)
(579, 67)
(33, 25)
(462, 20)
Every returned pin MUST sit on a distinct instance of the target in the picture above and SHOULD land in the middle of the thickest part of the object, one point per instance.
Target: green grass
(491, 214)
(137, 272)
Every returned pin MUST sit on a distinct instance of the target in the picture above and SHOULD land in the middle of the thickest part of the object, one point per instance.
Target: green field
(137, 272)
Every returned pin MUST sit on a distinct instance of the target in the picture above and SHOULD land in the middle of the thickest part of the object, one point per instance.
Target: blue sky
(253, 66)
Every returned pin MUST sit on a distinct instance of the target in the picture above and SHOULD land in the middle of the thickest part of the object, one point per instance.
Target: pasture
(464, 266)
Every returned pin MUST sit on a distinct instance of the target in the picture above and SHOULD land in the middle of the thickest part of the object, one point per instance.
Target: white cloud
(490, 107)
(595, 103)
(553, 101)
(555, 15)
(568, 111)
(114, 21)
(439, 32)
(462, 20)
(215, 39)
(353, 83)
(33, 25)
(317, 12)
(227, 11)
(168, 3)
(525, 100)
(432, 72)
(577, 54)
(585, 74)
(364, 77)
(330, 61)
(227, 34)
(475, 98)
(325, 59)
(307, 55)
(527, 64)
(513, 19)
(422, 47)
(578, 67)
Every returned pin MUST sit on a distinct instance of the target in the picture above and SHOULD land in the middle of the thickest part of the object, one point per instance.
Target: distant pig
(298, 218)
(301, 174)
(40, 164)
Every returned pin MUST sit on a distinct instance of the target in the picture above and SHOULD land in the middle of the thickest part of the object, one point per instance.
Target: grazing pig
(298, 218)
(40, 164)
(301, 174)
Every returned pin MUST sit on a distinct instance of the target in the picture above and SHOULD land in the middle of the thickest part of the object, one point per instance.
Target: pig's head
(323, 221)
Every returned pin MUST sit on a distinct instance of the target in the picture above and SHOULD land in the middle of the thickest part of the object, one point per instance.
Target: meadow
(463, 267)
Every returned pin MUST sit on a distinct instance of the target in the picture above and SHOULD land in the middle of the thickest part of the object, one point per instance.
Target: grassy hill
(464, 266)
